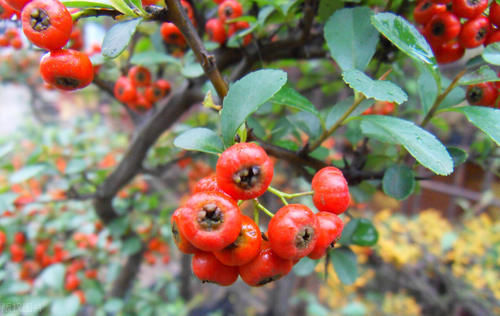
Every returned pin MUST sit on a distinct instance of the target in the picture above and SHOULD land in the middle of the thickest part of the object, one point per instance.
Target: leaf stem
(284, 196)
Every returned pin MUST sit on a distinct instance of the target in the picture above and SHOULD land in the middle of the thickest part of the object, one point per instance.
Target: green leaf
(427, 90)
(67, 306)
(75, 166)
(345, 264)
(36, 304)
(305, 266)
(422, 145)
(153, 58)
(407, 38)
(118, 37)
(483, 74)
(381, 90)
(491, 54)
(131, 246)
(191, 68)
(458, 155)
(123, 7)
(245, 96)
(398, 182)
(307, 122)
(484, 118)
(26, 173)
(365, 233)
(351, 38)
(52, 277)
(83, 4)
(200, 139)
(290, 97)
(6, 149)
(327, 7)
(340, 108)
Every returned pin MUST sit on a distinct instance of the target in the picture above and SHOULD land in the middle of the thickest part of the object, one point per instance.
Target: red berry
(265, 268)
(331, 193)
(329, 229)
(425, 10)
(443, 27)
(17, 5)
(293, 231)
(124, 90)
(494, 13)
(17, 253)
(4, 41)
(448, 52)
(216, 31)
(19, 238)
(72, 282)
(484, 93)
(158, 90)
(6, 11)
(67, 69)
(469, 8)
(229, 9)
(16, 43)
(474, 32)
(211, 221)
(141, 104)
(239, 26)
(245, 247)
(189, 10)
(140, 76)
(208, 269)
(208, 184)
(244, 171)
(172, 35)
(47, 23)
(492, 37)
(180, 240)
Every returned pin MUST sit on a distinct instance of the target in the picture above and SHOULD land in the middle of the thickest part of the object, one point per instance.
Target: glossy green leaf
(427, 90)
(345, 264)
(482, 74)
(305, 266)
(307, 122)
(491, 54)
(407, 38)
(290, 97)
(458, 155)
(26, 173)
(340, 108)
(153, 58)
(484, 118)
(105, 4)
(365, 233)
(118, 37)
(200, 139)
(381, 90)
(422, 145)
(398, 182)
(245, 96)
(123, 7)
(67, 306)
(351, 38)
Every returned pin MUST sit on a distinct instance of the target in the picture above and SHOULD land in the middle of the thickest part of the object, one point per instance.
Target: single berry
(448, 52)
(442, 27)
(331, 193)
(245, 247)
(180, 240)
(16, 43)
(141, 103)
(158, 90)
(239, 26)
(211, 221)
(469, 9)
(124, 90)
(207, 268)
(329, 229)
(266, 267)
(425, 10)
(140, 76)
(494, 16)
(4, 41)
(72, 282)
(172, 35)
(229, 9)
(67, 69)
(484, 93)
(244, 171)
(208, 184)
(47, 23)
(216, 31)
(293, 231)
(492, 37)
(474, 32)
(19, 238)
(17, 253)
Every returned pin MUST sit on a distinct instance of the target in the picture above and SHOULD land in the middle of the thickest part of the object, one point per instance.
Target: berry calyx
(67, 69)
(172, 35)
(293, 231)
(331, 192)
(329, 230)
(207, 268)
(124, 90)
(443, 27)
(140, 76)
(245, 247)
(244, 171)
(158, 90)
(229, 9)
(211, 221)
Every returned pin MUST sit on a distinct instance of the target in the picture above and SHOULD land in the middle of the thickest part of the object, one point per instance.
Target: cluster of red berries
(485, 93)
(380, 108)
(11, 38)
(227, 244)
(451, 26)
(48, 25)
(156, 247)
(221, 28)
(138, 91)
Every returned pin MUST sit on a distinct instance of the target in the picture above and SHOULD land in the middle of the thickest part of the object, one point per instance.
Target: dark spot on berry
(304, 237)
(481, 34)
(40, 20)
(426, 6)
(269, 279)
(228, 11)
(247, 177)
(210, 217)
(474, 95)
(175, 232)
(67, 82)
(438, 28)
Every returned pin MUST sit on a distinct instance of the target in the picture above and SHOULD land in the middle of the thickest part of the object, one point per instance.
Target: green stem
(256, 215)
(284, 196)
(337, 124)
(263, 208)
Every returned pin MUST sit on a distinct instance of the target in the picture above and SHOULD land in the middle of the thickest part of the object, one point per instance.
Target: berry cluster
(11, 38)
(221, 28)
(380, 108)
(48, 25)
(227, 244)
(138, 92)
(451, 26)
